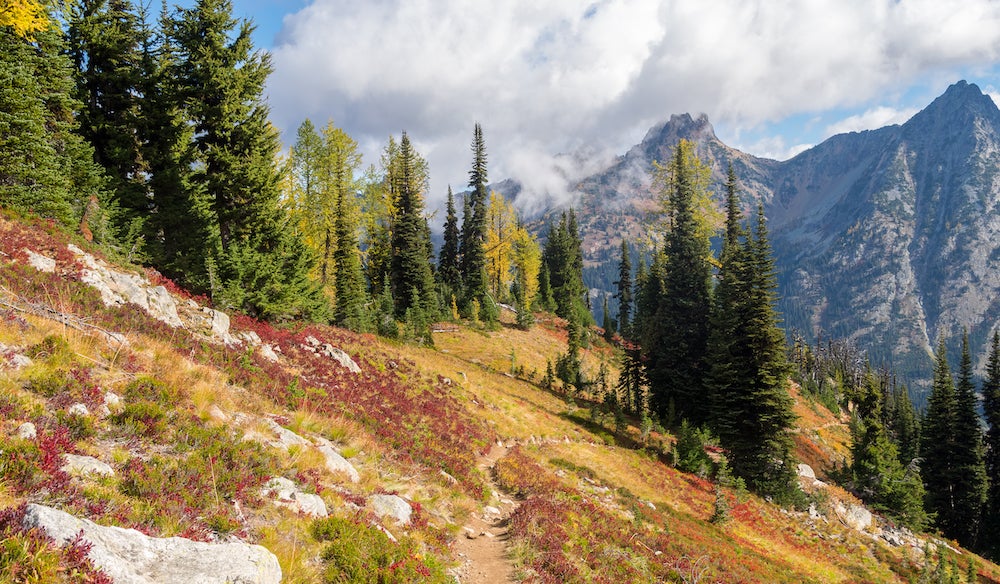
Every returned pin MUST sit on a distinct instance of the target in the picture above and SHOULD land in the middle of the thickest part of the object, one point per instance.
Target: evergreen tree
(473, 236)
(410, 269)
(46, 167)
(545, 300)
(449, 264)
(970, 485)
(105, 42)
(563, 258)
(607, 324)
(990, 536)
(624, 291)
(904, 426)
(254, 262)
(676, 368)
(938, 448)
(349, 307)
(877, 474)
(755, 415)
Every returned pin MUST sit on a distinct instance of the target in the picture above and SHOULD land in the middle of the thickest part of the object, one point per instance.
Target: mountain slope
(207, 411)
(886, 237)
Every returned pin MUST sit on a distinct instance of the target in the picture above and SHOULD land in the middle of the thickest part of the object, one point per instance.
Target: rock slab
(128, 556)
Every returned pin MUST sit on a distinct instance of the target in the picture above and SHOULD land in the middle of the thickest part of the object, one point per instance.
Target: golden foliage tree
(25, 16)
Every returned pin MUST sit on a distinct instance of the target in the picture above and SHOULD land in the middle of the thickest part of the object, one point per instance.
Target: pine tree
(449, 265)
(349, 306)
(474, 225)
(609, 327)
(970, 486)
(677, 357)
(624, 291)
(990, 536)
(938, 447)
(563, 258)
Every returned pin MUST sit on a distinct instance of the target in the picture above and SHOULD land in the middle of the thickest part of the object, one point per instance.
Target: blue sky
(543, 78)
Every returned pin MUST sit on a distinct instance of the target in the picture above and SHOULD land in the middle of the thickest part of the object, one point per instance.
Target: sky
(591, 77)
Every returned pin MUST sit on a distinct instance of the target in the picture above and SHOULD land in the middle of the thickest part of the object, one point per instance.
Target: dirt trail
(482, 544)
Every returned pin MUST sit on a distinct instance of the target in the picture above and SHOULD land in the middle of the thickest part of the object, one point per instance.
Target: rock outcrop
(128, 556)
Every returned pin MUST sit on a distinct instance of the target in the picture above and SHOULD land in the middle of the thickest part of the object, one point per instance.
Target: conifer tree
(877, 473)
(609, 327)
(105, 40)
(46, 167)
(970, 486)
(624, 291)
(677, 364)
(349, 305)
(449, 266)
(938, 447)
(564, 261)
(410, 277)
(254, 262)
(990, 536)
(473, 236)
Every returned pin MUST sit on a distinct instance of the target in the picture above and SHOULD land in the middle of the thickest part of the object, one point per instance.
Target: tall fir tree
(449, 263)
(938, 447)
(473, 236)
(990, 536)
(254, 261)
(971, 482)
(46, 167)
(877, 474)
(754, 416)
(410, 276)
(105, 41)
(349, 304)
(623, 291)
(676, 358)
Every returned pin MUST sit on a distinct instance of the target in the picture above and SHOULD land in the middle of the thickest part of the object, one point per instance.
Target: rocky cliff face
(890, 237)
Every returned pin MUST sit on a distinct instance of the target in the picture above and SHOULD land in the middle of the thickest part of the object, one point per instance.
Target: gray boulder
(85, 465)
(335, 462)
(391, 506)
(27, 431)
(131, 557)
(40, 262)
(286, 493)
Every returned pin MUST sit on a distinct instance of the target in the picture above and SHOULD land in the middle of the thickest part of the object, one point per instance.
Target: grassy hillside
(196, 428)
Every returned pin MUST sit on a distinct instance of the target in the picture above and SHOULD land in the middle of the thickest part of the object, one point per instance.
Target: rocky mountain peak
(962, 107)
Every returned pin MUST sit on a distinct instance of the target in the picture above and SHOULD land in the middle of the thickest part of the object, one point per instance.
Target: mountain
(238, 451)
(886, 237)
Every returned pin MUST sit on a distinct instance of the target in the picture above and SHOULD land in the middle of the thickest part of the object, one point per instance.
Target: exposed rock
(85, 465)
(806, 471)
(335, 462)
(216, 413)
(117, 288)
(40, 262)
(285, 436)
(128, 556)
(392, 506)
(341, 357)
(268, 353)
(17, 361)
(251, 338)
(27, 431)
(854, 516)
(112, 399)
(287, 494)
(220, 325)
(78, 409)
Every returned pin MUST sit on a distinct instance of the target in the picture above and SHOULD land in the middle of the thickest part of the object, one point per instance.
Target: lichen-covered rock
(335, 462)
(85, 465)
(40, 262)
(131, 557)
(392, 506)
(27, 431)
(286, 493)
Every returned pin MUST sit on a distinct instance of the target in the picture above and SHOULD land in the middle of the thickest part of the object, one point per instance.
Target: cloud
(993, 93)
(561, 75)
(871, 119)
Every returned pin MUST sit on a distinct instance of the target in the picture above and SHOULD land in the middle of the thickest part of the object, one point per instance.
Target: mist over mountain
(888, 237)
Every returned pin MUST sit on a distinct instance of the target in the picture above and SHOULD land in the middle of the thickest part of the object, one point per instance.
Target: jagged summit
(963, 107)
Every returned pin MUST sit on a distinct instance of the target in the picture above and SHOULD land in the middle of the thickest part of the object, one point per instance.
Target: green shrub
(80, 427)
(358, 553)
(143, 418)
(150, 389)
(50, 348)
(52, 382)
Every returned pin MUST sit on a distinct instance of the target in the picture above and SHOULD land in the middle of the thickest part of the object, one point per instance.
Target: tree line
(151, 135)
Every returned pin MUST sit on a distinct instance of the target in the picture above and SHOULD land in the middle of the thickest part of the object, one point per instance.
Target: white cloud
(555, 76)
(993, 93)
(871, 119)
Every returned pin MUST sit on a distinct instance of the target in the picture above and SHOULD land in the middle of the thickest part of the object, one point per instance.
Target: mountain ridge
(882, 236)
